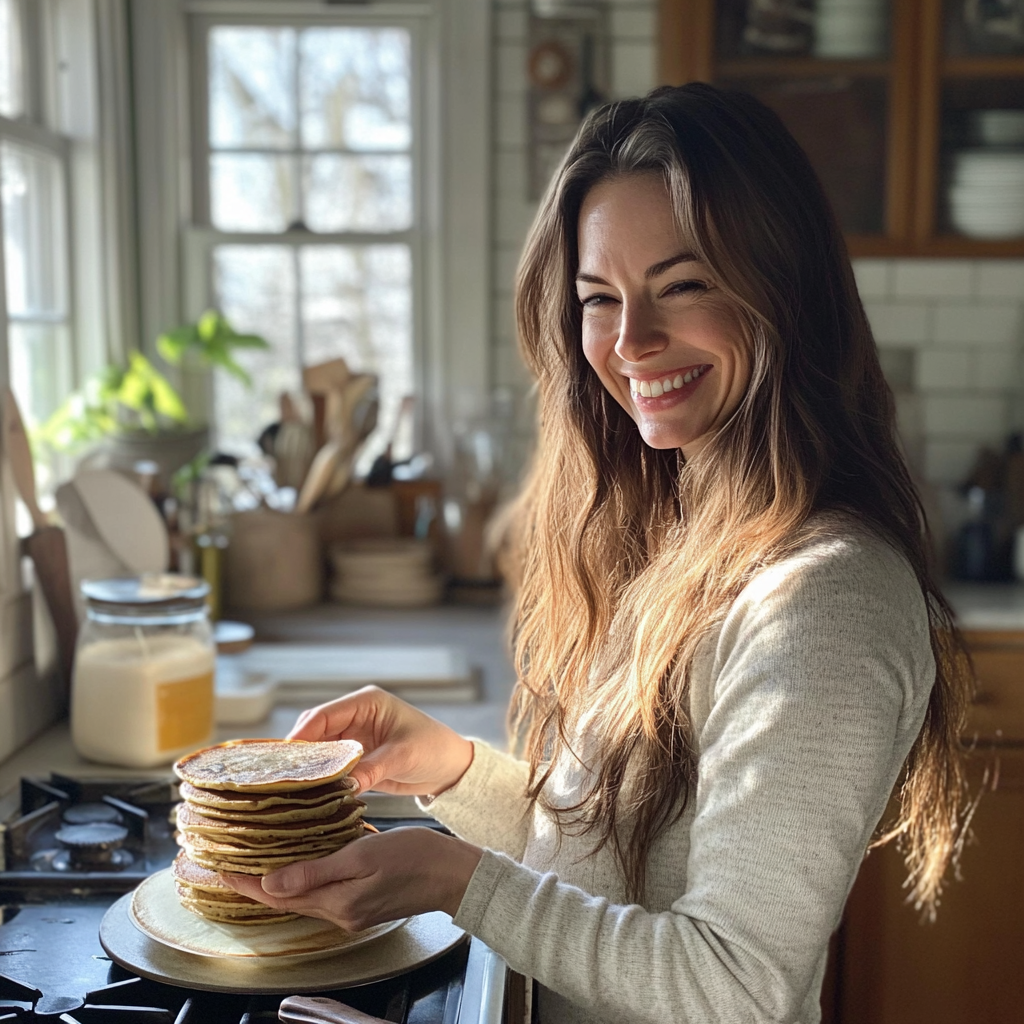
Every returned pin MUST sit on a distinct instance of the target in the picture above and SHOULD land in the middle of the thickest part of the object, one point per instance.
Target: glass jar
(142, 691)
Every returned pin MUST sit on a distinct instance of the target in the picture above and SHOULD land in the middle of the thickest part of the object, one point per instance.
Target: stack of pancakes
(252, 806)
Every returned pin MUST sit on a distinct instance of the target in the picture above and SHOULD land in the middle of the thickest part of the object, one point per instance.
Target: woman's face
(660, 334)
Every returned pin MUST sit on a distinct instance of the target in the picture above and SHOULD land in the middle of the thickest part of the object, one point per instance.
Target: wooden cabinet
(884, 129)
(888, 966)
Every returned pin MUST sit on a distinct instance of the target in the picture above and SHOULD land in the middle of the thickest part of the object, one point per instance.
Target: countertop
(987, 606)
(480, 631)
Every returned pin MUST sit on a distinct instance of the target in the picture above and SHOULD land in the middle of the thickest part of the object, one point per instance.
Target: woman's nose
(640, 333)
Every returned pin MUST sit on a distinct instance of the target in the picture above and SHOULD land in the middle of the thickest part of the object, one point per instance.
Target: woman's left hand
(377, 878)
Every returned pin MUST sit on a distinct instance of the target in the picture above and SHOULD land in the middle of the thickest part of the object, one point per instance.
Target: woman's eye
(686, 287)
(595, 301)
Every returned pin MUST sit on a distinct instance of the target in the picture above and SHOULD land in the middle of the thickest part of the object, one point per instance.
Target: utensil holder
(273, 562)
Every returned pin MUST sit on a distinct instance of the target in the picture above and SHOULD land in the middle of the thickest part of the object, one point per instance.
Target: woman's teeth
(657, 388)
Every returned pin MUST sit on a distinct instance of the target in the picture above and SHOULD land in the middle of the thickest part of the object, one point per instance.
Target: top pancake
(269, 766)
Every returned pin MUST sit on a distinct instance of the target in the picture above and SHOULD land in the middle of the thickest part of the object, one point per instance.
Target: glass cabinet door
(824, 67)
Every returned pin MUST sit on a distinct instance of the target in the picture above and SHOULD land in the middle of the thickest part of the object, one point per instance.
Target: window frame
(201, 238)
(32, 131)
(454, 321)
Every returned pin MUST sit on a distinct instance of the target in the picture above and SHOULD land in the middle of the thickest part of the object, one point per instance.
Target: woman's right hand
(406, 751)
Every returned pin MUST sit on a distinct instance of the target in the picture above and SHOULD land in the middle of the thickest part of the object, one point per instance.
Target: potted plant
(132, 412)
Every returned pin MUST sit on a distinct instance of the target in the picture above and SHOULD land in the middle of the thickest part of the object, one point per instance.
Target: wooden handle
(48, 551)
(321, 1010)
(19, 455)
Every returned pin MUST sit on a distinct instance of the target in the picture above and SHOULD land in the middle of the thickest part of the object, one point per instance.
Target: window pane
(252, 87)
(357, 304)
(252, 192)
(255, 289)
(355, 88)
(34, 243)
(12, 85)
(39, 367)
(358, 193)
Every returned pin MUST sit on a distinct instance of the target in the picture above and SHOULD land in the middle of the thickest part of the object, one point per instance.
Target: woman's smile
(663, 337)
(676, 386)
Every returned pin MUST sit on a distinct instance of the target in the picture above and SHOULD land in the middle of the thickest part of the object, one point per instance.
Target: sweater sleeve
(488, 805)
(821, 676)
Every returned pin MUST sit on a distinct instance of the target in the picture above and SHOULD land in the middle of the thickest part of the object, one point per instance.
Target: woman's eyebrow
(651, 272)
(659, 268)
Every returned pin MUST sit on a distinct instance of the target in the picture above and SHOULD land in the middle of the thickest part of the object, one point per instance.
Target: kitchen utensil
(323, 377)
(126, 519)
(250, 684)
(380, 471)
(46, 546)
(293, 453)
(321, 472)
(424, 939)
(321, 1010)
(157, 911)
(89, 556)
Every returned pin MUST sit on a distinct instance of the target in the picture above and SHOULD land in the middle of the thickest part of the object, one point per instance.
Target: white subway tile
(1000, 279)
(504, 316)
(998, 368)
(634, 68)
(916, 279)
(949, 462)
(510, 76)
(634, 23)
(510, 369)
(977, 323)
(965, 416)
(506, 259)
(898, 322)
(510, 24)
(510, 121)
(944, 370)
(872, 278)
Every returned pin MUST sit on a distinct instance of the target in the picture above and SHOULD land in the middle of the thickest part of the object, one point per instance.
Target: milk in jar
(142, 692)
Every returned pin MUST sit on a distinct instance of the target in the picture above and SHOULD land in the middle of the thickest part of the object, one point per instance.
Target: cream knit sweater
(804, 707)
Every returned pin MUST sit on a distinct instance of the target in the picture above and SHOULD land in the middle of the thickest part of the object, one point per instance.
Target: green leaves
(213, 340)
(117, 398)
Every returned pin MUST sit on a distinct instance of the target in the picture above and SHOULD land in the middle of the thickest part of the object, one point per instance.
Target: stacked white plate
(386, 573)
(851, 29)
(986, 193)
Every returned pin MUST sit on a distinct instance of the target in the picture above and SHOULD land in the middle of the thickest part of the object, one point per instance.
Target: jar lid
(154, 593)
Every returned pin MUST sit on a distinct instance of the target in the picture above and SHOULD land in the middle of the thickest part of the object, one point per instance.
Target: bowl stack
(386, 573)
(986, 193)
(850, 29)
(252, 806)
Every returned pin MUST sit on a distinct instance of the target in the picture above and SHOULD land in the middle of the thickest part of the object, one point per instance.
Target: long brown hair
(629, 555)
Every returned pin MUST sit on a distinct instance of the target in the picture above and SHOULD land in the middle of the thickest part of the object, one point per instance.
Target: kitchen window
(39, 357)
(307, 160)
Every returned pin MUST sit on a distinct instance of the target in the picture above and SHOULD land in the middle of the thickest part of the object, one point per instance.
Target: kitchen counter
(987, 606)
(479, 631)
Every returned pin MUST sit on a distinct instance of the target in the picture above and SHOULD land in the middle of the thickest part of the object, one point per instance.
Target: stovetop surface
(53, 968)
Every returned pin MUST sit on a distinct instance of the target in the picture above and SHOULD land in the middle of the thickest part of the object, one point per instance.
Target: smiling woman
(729, 646)
(661, 334)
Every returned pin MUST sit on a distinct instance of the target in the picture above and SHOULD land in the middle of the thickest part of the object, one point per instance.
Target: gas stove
(73, 846)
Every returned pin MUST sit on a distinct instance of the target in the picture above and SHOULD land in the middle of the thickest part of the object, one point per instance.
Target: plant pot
(169, 450)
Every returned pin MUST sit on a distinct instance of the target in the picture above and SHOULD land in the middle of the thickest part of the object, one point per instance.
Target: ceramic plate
(157, 912)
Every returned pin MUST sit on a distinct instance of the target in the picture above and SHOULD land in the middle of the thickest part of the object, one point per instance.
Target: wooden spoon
(46, 546)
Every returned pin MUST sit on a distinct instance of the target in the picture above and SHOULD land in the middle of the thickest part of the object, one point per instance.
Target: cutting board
(250, 684)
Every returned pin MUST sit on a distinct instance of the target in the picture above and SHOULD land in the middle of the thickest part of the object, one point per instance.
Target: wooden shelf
(982, 67)
(801, 67)
(940, 247)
